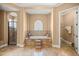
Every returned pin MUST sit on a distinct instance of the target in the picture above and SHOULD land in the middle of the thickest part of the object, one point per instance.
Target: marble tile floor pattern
(16, 51)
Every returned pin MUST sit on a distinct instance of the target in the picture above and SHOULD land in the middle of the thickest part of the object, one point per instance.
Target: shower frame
(76, 9)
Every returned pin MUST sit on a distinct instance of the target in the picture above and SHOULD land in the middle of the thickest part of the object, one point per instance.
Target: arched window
(38, 26)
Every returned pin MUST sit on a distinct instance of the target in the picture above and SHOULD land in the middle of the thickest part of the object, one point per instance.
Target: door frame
(8, 25)
(59, 15)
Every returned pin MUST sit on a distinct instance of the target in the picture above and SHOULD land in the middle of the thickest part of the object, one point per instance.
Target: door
(12, 32)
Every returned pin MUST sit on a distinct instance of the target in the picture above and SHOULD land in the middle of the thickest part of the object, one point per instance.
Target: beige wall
(21, 27)
(56, 11)
(68, 20)
(1, 25)
(4, 28)
(45, 18)
(28, 22)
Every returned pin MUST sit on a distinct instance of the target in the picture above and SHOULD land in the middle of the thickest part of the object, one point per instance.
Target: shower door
(76, 30)
(12, 32)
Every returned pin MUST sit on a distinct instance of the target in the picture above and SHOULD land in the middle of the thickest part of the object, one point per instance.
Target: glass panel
(12, 23)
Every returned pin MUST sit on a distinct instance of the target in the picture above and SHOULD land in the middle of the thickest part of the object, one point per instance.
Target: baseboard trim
(20, 45)
(57, 46)
(4, 45)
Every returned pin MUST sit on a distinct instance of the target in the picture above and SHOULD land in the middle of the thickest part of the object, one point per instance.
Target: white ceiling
(32, 8)
(34, 11)
(38, 8)
(28, 5)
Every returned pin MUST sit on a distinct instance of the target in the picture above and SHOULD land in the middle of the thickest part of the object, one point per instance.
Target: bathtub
(38, 37)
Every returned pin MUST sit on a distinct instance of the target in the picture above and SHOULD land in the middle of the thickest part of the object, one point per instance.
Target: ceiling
(32, 8)
(31, 5)
(38, 8)
(35, 11)
(6, 8)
